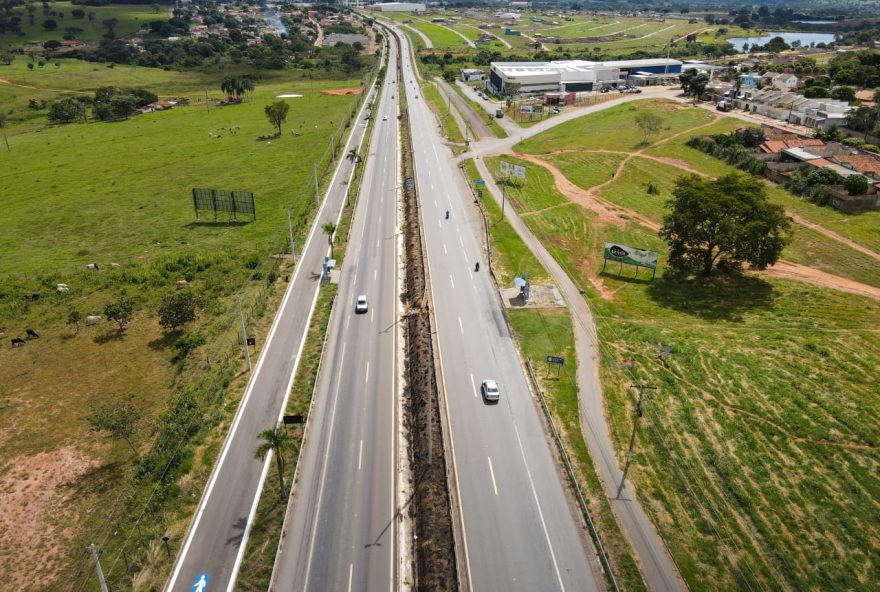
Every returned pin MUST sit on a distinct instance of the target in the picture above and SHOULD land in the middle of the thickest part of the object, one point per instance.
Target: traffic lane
(229, 507)
(498, 329)
(305, 507)
(359, 505)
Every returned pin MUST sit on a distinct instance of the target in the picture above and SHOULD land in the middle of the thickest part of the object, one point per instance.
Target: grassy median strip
(542, 332)
(441, 109)
(481, 112)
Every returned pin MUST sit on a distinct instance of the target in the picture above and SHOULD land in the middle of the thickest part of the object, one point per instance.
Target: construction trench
(434, 559)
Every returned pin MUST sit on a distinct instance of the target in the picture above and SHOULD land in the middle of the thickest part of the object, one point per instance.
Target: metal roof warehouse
(573, 75)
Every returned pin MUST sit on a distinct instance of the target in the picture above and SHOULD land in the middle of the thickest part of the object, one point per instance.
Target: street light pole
(247, 353)
(632, 439)
(100, 572)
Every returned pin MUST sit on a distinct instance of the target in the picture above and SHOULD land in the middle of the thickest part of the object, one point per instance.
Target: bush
(856, 185)
(188, 343)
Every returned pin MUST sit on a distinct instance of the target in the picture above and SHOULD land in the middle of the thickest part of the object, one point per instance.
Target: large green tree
(276, 113)
(694, 83)
(723, 223)
(177, 309)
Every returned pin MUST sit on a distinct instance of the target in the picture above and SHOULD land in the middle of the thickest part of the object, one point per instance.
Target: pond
(789, 36)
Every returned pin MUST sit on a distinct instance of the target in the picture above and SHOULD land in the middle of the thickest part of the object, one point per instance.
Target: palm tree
(353, 156)
(329, 229)
(274, 439)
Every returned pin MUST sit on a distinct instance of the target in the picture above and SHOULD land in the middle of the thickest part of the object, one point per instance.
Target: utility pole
(290, 238)
(247, 353)
(632, 439)
(315, 174)
(101, 581)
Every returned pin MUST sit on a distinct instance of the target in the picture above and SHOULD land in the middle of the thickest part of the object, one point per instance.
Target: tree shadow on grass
(724, 297)
(167, 341)
(107, 337)
(97, 479)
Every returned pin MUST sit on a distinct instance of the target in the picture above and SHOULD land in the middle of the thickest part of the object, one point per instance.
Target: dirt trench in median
(610, 212)
(430, 508)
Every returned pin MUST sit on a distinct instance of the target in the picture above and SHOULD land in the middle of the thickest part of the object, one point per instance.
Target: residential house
(784, 81)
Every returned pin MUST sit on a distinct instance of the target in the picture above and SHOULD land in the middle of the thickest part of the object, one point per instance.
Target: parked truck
(499, 113)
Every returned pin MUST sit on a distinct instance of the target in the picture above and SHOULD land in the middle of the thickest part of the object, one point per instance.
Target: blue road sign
(200, 584)
(409, 182)
(481, 182)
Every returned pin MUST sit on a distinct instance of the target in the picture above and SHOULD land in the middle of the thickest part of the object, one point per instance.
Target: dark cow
(31, 297)
(32, 334)
(18, 342)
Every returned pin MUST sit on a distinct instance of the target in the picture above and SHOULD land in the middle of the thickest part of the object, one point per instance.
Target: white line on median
(367, 378)
(350, 574)
(473, 385)
(445, 252)
(492, 474)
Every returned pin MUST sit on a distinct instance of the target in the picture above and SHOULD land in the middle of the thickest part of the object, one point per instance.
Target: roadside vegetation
(442, 110)
(118, 194)
(758, 453)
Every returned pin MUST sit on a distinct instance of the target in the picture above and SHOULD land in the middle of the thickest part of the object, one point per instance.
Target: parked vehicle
(499, 113)
(724, 106)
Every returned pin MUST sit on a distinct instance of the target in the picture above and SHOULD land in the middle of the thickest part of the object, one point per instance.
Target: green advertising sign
(625, 254)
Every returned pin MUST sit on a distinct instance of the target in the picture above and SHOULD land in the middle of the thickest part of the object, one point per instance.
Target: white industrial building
(397, 7)
(574, 75)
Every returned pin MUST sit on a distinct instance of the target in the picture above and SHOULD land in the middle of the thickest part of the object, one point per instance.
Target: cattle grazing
(18, 342)
(93, 319)
(114, 266)
(31, 297)
(2, 331)
(92, 266)
(62, 288)
(32, 334)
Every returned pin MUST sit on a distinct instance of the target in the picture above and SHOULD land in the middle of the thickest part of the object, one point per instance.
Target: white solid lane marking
(440, 224)
(360, 455)
(347, 321)
(367, 377)
(435, 203)
(460, 326)
(473, 385)
(350, 574)
(377, 244)
(375, 274)
(451, 281)
(445, 252)
(492, 474)
(371, 315)
(538, 505)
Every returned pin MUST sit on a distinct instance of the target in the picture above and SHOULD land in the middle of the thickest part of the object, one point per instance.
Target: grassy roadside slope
(749, 460)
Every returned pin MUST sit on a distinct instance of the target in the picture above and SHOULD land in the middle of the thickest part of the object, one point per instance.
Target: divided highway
(215, 542)
(339, 532)
(520, 532)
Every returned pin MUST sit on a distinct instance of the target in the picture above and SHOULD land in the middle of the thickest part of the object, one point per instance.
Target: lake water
(789, 36)
(816, 22)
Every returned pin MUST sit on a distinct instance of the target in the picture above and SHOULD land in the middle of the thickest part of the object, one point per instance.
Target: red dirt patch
(341, 91)
(33, 506)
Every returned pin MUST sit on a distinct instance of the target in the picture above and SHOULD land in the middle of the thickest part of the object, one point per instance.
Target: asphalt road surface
(519, 529)
(339, 529)
(217, 536)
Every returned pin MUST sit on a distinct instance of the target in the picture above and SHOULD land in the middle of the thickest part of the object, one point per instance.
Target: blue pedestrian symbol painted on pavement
(200, 584)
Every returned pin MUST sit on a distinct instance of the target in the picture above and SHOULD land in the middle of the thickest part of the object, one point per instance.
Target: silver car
(361, 305)
(489, 389)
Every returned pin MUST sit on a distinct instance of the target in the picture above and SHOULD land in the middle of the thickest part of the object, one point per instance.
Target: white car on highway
(490, 391)
(361, 305)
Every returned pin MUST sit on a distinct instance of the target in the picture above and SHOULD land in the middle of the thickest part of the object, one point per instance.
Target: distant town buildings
(397, 7)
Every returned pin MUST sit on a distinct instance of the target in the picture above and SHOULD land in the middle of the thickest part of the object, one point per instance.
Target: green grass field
(440, 36)
(97, 202)
(758, 454)
(121, 192)
(131, 17)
